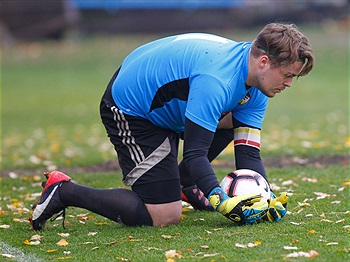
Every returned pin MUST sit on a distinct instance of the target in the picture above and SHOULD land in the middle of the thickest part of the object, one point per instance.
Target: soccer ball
(245, 181)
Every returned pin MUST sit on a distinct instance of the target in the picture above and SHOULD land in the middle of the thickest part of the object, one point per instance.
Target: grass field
(316, 225)
(50, 99)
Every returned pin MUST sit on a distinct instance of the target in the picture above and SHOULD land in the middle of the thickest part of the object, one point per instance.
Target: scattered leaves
(31, 243)
(172, 254)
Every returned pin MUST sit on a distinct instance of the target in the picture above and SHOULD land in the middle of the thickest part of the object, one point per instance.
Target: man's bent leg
(120, 205)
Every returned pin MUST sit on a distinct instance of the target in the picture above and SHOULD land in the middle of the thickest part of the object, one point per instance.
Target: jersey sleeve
(252, 109)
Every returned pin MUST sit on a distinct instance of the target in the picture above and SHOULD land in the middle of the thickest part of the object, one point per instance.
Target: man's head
(281, 52)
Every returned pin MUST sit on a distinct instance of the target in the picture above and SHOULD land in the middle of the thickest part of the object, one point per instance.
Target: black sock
(120, 205)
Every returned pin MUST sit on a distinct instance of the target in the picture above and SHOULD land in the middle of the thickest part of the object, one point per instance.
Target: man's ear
(263, 61)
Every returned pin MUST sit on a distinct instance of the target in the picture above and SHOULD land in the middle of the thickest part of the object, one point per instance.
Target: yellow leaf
(311, 231)
(346, 183)
(27, 242)
(64, 258)
(62, 242)
(51, 250)
(101, 223)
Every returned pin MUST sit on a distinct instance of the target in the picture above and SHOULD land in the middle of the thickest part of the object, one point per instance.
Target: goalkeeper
(192, 84)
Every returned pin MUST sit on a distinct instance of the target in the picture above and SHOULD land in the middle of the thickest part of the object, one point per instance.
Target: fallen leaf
(51, 250)
(8, 256)
(167, 237)
(311, 180)
(201, 254)
(205, 247)
(346, 183)
(340, 221)
(35, 237)
(296, 223)
(92, 233)
(290, 248)
(240, 245)
(332, 243)
(326, 220)
(311, 231)
(172, 253)
(21, 220)
(101, 223)
(251, 245)
(122, 259)
(62, 242)
(310, 254)
(4, 226)
(63, 234)
(64, 258)
(31, 243)
(287, 182)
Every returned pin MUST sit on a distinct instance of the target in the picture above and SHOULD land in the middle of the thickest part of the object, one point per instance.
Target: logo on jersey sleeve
(244, 100)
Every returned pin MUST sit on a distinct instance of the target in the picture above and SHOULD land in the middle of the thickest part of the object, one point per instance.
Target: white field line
(18, 254)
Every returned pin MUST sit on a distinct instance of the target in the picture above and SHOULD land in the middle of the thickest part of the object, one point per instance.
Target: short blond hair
(284, 44)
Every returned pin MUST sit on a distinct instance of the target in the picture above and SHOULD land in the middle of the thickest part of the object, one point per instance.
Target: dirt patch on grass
(269, 162)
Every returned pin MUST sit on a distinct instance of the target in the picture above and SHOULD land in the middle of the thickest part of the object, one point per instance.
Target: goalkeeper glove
(194, 196)
(277, 207)
(246, 209)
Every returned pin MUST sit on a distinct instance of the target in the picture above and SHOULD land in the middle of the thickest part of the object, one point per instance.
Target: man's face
(272, 81)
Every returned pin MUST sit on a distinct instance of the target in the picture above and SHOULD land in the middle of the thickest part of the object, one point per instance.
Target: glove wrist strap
(216, 197)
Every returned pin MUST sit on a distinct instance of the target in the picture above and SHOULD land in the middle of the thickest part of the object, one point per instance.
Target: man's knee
(165, 214)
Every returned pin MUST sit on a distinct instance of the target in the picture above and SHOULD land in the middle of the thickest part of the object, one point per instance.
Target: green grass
(51, 93)
(321, 225)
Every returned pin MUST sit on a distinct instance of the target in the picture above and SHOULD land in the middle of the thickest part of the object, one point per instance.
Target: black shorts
(147, 154)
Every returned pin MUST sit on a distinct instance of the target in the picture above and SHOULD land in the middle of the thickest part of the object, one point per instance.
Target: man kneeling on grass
(204, 89)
